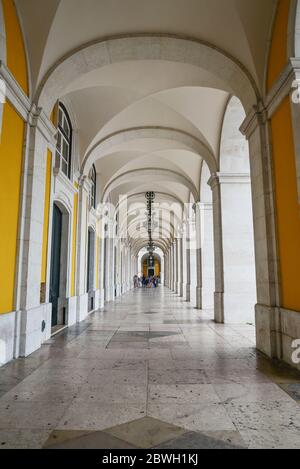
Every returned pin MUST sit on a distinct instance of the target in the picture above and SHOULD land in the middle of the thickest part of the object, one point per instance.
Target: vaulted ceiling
(175, 107)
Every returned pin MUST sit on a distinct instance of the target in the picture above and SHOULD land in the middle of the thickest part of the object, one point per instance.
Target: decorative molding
(283, 86)
(232, 178)
(260, 113)
(85, 183)
(62, 179)
(65, 200)
(255, 118)
(37, 118)
(14, 92)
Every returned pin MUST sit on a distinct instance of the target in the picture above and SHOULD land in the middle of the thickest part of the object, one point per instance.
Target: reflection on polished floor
(149, 372)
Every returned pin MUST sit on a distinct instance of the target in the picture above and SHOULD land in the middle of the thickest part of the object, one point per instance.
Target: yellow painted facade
(11, 155)
(15, 50)
(288, 219)
(156, 268)
(46, 216)
(278, 50)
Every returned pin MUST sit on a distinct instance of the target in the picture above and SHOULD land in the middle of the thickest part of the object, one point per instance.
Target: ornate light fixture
(150, 196)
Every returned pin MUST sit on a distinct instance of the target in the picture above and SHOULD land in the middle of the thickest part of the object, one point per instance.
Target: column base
(7, 335)
(278, 334)
(97, 299)
(101, 298)
(268, 330)
(71, 311)
(32, 330)
(219, 307)
(82, 307)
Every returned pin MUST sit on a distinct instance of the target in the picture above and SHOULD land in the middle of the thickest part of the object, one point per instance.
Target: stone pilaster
(218, 248)
(256, 129)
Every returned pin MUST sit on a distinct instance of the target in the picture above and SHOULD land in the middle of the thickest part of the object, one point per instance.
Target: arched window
(64, 141)
(93, 187)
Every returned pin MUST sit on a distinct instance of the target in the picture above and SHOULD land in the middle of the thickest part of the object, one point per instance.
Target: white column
(198, 257)
(101, 265)
(193, 261)
(208, 271)
(181, 267)
(30, 312)
(184, 262)
(268, 333)
(238, 248)
(82, 300)
(218, 247)
(175, 263)
(172, 266)
(188, 262)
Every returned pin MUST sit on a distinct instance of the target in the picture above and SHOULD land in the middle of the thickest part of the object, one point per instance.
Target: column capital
(213, 180)
(38, 119)
(84, 183)
(255, 118)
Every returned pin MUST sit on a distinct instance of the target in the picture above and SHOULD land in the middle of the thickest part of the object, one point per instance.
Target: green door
(55, 263)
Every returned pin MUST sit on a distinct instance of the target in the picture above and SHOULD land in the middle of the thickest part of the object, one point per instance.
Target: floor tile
(210, 440)
(60, 439)
(146, 432)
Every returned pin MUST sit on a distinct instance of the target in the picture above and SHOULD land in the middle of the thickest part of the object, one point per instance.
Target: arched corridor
(150, 205)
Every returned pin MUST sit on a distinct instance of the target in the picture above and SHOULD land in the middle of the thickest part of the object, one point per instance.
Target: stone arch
(105, 146)
(228, 73)
(159, 174)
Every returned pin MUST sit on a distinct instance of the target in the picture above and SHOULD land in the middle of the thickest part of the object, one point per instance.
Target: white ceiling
(149, 93)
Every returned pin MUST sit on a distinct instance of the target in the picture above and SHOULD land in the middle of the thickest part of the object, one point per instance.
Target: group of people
(145, 282)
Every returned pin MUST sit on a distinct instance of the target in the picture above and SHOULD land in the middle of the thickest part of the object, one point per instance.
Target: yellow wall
(75, 217)
(288, 217)
(145, 269)
(16, 56)
(11, 157)
(46, 216)
(278, 50)
(287, 208)
(156, 268)
(11, 151)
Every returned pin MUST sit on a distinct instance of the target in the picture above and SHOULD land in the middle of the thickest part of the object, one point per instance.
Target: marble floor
(149, 371)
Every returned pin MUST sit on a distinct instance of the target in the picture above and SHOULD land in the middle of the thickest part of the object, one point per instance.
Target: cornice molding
(239, 178)
(265, 109)
(14, 92)
(35, 117)
(283, 86)
(64, 181)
